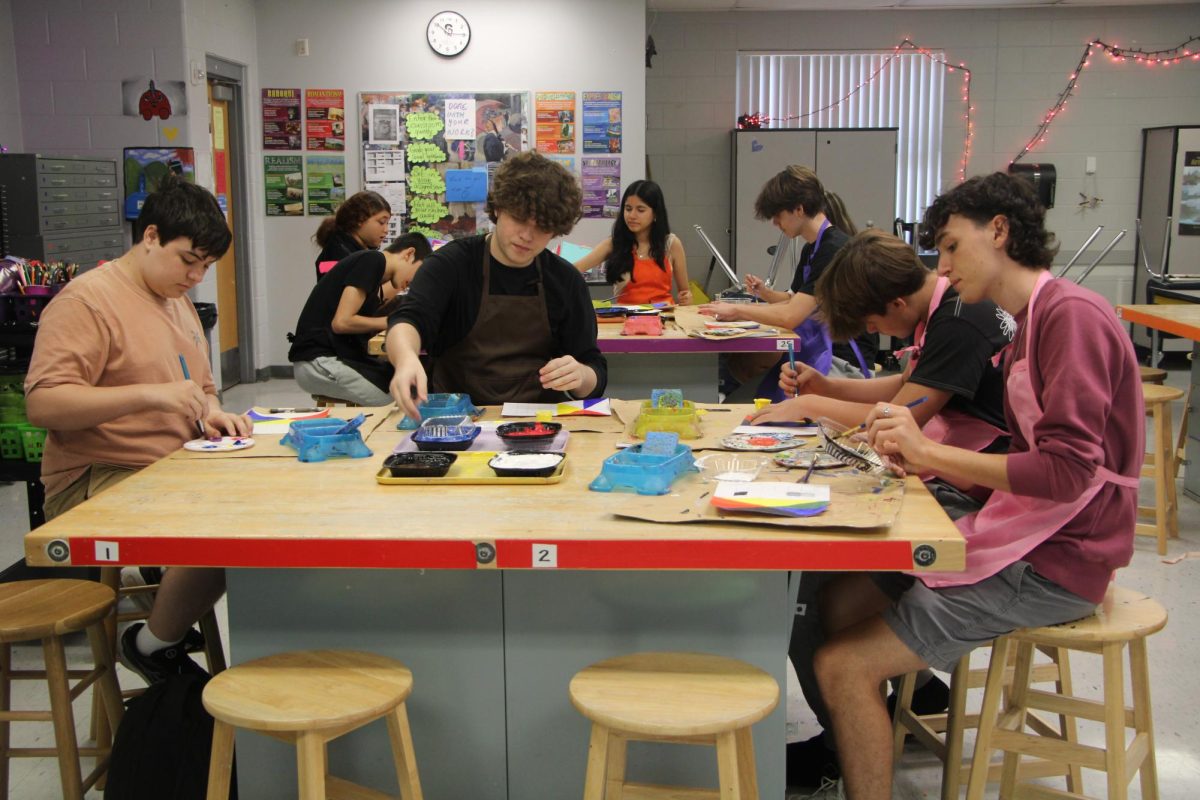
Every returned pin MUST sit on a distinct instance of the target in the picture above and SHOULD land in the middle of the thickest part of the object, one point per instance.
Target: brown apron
(498, 361)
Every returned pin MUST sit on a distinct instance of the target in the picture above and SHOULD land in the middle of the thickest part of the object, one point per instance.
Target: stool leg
(1066, 723)
(1162, 446)
(955, 727)
(107, 688)
(214, 651)
(615, 774)
(747, 768)
(1167, 443)
(593, 784)
(403, 753)
(1114, 720)
(5, 699)
(727, 767)
(64, 719)
(310, 765)
(1014, 717)
(1143, 722)
(987, 718)
(904, 693)
(220, 765)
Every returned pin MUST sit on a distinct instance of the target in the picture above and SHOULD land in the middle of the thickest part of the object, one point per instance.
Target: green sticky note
(427, 210)
(425, 153)
(423, 125)
(428, 233)
(426, 180)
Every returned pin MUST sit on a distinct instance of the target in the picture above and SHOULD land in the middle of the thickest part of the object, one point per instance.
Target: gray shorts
(942, 625)
(328, 376)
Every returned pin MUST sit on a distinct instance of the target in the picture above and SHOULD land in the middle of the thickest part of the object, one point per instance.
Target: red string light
(1117, 55)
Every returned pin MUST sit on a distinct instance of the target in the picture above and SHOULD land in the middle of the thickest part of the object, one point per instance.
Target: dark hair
(839, 217)
(983, 197)
(793, 188)
(531, 187)
(416, 241)
(870, 270)
(358, 208)
(181, 209)
(624, 241)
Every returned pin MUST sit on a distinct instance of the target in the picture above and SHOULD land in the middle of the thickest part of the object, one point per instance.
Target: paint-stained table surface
(273, 511)
(1177, 318)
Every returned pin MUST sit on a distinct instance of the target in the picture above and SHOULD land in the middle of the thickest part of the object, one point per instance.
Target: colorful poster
(601, 187)
(555, 131)
(325, 119)
(601, 122)
(1189, 197)
(281, 119)
(144, 167)
(284, 183)
(326, 185)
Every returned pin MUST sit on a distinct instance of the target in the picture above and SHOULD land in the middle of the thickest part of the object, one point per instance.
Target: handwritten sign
(466, 185)
(460, 118)
(425, 153)
(426, 180)
(427, 210)
(423, 125)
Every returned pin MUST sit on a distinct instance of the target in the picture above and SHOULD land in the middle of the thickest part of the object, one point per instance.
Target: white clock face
(448, 33)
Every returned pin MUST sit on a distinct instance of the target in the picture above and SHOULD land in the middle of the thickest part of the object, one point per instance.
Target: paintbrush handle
(862, 426)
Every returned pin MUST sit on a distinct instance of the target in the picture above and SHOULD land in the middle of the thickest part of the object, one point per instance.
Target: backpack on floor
(163, 744)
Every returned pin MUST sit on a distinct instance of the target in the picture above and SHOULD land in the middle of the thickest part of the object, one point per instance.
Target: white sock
(148, 643)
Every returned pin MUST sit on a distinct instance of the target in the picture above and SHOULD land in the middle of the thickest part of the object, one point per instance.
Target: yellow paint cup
(761, 402)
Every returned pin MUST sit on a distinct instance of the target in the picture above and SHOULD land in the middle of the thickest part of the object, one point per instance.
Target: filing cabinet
(60, 208)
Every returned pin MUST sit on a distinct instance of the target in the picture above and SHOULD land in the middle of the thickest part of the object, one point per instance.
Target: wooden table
(685, 362)
(493, 595)
(1181, 319)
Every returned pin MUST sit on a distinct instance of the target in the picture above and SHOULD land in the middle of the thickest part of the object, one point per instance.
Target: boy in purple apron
(1061, 515)
(503, 320)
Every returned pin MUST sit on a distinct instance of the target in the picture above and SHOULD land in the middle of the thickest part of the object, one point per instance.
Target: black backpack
(163, 745)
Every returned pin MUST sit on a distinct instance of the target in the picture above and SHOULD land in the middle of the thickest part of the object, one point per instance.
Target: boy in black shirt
(344, 310)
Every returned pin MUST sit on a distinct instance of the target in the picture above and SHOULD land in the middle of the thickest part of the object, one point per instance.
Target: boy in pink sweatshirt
(1061, 515)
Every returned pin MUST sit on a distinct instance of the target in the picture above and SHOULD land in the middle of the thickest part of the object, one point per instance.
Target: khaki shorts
(94, 480)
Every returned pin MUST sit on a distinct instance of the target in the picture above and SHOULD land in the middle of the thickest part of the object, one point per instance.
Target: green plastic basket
(11, 446)
(34, 441)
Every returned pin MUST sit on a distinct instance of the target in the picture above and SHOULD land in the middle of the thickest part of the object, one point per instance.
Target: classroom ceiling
(857, 5)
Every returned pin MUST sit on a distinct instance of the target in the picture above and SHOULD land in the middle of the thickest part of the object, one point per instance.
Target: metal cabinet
(60, 208)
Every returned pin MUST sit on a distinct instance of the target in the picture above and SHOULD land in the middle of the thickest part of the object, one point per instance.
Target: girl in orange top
(642, 257)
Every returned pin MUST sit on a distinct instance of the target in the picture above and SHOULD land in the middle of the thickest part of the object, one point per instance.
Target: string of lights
(757, 120)
(1150, 58)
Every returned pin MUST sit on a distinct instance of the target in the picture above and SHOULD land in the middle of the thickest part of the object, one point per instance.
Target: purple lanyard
(816, 246)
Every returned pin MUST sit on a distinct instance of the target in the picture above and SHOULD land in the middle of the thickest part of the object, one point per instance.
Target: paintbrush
(862, 426)
(187, 376)
(812, 463)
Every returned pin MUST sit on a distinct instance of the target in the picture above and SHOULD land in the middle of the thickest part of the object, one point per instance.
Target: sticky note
(466, 185)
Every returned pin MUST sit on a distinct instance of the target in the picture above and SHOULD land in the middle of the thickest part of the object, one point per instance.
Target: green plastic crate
(12, 448)
(34, 441)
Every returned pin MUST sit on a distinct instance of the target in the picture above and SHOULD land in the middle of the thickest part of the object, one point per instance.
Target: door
(219, 97)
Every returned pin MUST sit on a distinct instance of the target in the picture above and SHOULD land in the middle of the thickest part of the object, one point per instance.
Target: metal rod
(1166, 247)
(1079, 252)
(1100, 257)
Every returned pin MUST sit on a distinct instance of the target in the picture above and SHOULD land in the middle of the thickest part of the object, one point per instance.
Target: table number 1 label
(545, 556)
(108, 551)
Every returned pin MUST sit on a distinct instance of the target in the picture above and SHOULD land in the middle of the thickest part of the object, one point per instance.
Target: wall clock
(448, 33)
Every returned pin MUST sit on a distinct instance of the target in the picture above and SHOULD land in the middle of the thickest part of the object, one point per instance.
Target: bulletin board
(432, 155)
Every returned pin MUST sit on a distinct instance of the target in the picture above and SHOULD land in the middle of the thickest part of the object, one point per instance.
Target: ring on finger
(886, 411)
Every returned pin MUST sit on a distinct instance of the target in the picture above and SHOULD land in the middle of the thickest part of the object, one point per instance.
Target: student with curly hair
(642, 256)
(361, 223)
(502, 318)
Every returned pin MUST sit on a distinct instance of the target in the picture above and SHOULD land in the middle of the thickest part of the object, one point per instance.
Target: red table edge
(1130, 314)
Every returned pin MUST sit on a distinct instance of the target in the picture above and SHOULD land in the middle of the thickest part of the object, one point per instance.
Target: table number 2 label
(108, 551)
(545, 556)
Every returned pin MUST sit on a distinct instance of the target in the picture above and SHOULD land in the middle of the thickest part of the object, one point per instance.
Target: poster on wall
(281, 119)
(555, 126)
(601, 178)
(324, 119)
(145, 167)
(434, 169)
(1189, 200)
(284, 185)
(326, 184)
(601, 122)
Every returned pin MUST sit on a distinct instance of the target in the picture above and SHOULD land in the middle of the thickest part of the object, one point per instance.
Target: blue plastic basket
(644, 473)
(444, 404)
(318, 439)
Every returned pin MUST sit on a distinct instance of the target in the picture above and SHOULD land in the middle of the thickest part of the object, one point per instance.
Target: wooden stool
(942, 734)
(1131, 619)
(687, 698)
(1161, 465)
(309, 698)
(47, 610)
(1153, 375)
(321, 401)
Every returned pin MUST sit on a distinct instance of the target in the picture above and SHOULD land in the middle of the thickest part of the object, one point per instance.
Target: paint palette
(800, 459)
(225, 444)
(517, 434)
(765, 442)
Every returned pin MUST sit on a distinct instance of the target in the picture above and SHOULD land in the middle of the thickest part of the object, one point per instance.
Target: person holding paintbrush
(120, 378)
(1061, 516)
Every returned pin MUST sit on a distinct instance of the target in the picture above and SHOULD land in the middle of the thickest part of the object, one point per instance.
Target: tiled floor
(918, 775)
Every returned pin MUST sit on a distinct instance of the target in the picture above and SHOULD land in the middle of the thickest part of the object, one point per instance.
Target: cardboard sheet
(689, 320)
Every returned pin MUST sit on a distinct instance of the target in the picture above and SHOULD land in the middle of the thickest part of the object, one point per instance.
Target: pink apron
(1009, 526)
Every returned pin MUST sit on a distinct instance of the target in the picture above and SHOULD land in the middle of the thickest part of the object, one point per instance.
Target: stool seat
(40, 608)
(1153, 374)
(674, 694)
(309, 690)
(1154, 393)
(1132, 615)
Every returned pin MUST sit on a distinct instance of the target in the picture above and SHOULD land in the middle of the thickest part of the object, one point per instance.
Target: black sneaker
(158, 665)
(932, 698)
(810, 763)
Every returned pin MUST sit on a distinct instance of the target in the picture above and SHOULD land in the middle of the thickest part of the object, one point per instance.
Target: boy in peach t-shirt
(106, 381)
